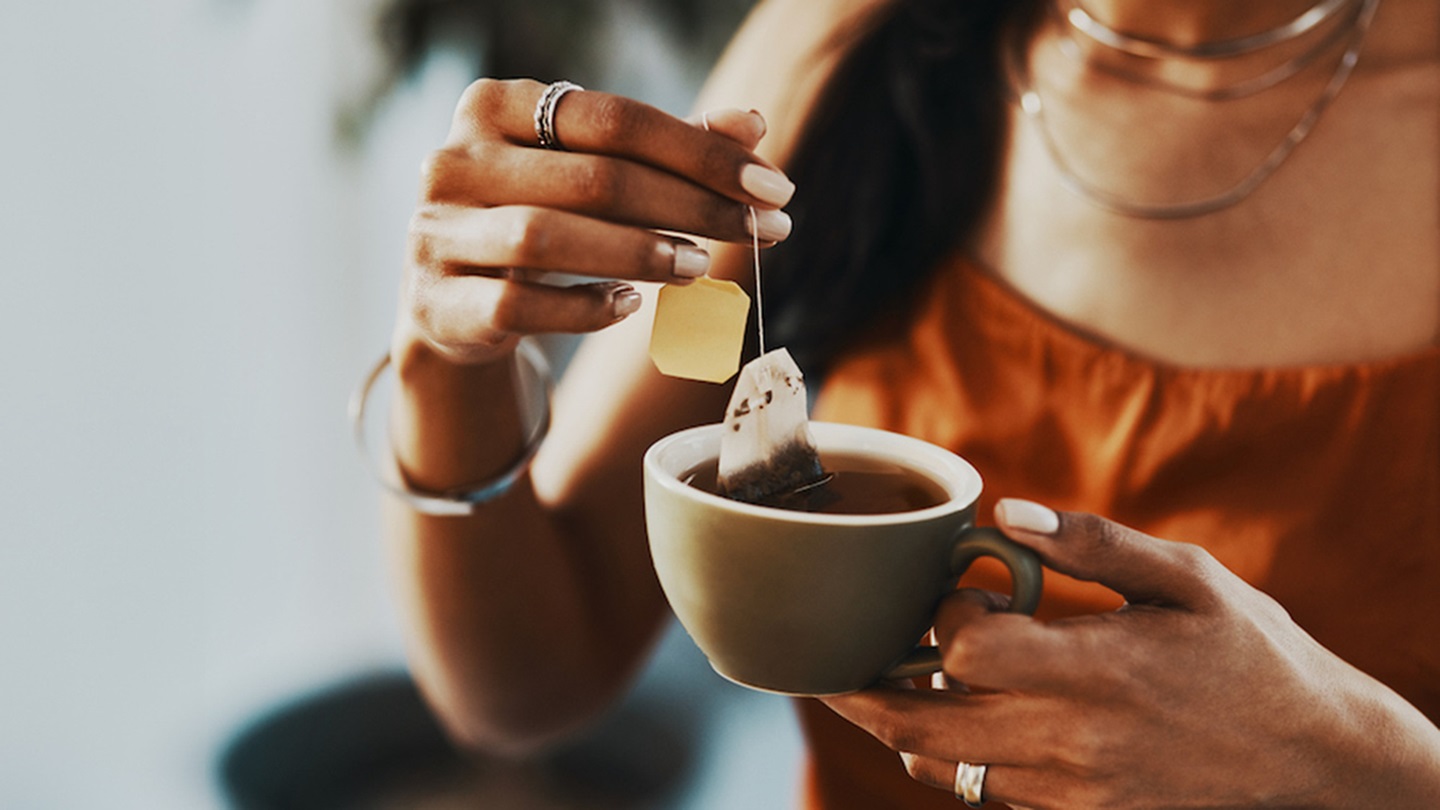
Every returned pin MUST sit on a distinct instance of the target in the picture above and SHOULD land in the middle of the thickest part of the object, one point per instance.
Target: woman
(1177, 264)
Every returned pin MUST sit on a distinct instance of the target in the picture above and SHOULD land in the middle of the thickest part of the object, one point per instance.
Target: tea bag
(766, 449)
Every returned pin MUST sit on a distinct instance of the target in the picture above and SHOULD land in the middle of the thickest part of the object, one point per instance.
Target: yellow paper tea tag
(699, 330)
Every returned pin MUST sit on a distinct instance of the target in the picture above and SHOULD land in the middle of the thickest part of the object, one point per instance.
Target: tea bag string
(705, 122)
(759, 295)
(755, 249)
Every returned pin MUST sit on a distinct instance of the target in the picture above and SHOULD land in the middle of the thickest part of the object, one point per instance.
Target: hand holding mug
(1200, 691)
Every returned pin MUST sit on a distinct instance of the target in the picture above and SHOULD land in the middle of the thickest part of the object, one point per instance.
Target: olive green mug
(808, 603)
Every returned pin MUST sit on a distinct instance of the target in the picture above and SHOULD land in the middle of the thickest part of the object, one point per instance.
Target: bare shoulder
(779, 61)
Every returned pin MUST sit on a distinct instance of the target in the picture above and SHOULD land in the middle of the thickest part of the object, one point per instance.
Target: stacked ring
(545, 113)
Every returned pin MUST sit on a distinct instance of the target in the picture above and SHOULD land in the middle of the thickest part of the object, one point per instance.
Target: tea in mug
(854, 485)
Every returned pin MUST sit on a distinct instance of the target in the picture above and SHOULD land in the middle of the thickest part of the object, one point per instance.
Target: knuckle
(423, 250)
(598, 309)
(1199, 563)
(1194, 557)
(960, 656)
(721, 160)
(739, 213)
(524, 236)
(422, 310)
(1088, 754)
(1084, 752)
(655, 261)
(895, 733)
(615, 120)
(1093, 770)
(1253, 614)
(597, 182)
(506, 312)
(1271, 608)
(437, 174)
(1102, 534)
(420, 238)
(484, 98)
(726, 217)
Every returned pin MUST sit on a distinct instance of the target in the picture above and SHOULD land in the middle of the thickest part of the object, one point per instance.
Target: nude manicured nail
(770, 226)
(710, 119)
(624, 301)
(1027, 516)
(690, 261)
(761, 126)
(766, 184)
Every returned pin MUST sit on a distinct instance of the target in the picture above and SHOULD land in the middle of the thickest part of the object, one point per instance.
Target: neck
(1187, 23)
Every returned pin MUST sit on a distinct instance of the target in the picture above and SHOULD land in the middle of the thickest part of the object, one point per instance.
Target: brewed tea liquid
(857, 485)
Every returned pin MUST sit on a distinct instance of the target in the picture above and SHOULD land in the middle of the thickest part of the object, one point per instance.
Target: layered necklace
(1082, 22)
(1079, 21)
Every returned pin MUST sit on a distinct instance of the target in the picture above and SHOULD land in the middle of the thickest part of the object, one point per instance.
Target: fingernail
(771, 226)
(624, 300)
(750, 118)
(766, 185)
(1026, 516)
(690, 261)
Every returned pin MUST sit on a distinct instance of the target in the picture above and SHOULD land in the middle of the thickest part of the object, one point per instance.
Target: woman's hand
(517, 580)
(1199, 692)
(498, 213)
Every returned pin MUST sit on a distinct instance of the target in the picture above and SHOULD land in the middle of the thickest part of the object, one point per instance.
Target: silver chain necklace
(1031, 103)
(1241, 89)
(1082, 21)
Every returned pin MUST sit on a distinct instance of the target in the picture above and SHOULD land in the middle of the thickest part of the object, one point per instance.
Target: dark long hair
(893, 171)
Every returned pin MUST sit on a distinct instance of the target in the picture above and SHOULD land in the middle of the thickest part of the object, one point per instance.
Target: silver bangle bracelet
(534, 386)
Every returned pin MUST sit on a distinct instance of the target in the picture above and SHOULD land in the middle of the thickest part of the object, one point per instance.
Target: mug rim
(963, 493)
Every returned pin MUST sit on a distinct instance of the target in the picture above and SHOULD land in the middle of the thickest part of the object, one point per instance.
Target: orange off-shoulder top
(1319, 485)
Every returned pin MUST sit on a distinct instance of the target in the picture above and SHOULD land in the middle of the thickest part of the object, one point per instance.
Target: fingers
(604, 124)
(1027, 743)
(941, 774)
(476, 312)
(983, 646)
(451, 237)
(602, 187)
(743, 127)
(497, 210)
(978, 728)
(1143, 569)
(1017, 787)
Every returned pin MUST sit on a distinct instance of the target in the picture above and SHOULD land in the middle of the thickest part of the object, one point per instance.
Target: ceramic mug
(807, 603)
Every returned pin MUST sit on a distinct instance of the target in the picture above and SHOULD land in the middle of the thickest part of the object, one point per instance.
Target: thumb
(1141, 568)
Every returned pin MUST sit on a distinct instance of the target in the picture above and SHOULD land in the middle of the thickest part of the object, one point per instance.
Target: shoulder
(780, 59)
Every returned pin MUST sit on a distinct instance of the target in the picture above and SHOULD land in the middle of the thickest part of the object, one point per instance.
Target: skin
(1142, 707)
(517, 582)
(529, 617)
(1334, 259)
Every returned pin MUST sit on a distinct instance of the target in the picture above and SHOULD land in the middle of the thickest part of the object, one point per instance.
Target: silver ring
(545, 113)
(969, 783)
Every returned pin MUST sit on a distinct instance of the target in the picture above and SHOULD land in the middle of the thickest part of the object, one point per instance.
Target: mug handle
(974, 543)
